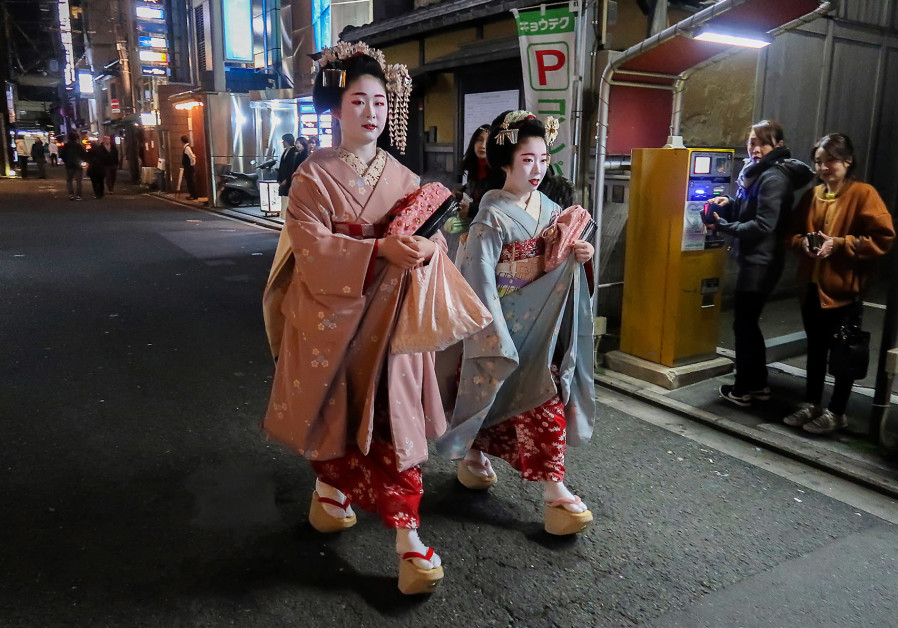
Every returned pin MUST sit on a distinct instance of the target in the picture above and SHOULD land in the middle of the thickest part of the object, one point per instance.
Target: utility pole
(5, 166)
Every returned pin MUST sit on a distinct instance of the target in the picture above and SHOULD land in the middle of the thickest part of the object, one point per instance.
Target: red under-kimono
(339, 397)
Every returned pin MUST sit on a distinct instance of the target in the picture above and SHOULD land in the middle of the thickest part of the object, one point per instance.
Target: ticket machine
(673, 263)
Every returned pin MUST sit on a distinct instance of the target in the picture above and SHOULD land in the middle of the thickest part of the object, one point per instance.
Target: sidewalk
(848, 454)
(249, 213)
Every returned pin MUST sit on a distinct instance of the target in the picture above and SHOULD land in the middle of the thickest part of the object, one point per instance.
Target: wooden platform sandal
(473, 481)
(560, 521)
(414, 579)
(325, 523)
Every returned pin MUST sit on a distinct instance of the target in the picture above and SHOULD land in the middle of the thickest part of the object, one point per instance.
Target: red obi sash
(519, 264)
(524, 249)
(360, 231)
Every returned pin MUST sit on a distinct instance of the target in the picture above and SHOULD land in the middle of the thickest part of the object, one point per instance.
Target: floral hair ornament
(551, 130)
(399, 83)
(510, 126)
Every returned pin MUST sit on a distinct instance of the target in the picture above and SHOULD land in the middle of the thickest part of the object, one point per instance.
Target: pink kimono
(339, 397)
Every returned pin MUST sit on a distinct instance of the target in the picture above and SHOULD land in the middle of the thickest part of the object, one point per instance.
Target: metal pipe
(883, 389)
(219, 83)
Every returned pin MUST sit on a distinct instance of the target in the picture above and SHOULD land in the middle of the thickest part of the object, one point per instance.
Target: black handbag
(849, 354)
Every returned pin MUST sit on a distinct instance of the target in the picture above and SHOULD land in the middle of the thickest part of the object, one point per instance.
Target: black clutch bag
(440, 215)
(849, 354)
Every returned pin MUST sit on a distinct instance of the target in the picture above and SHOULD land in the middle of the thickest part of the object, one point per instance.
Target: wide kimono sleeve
(489, 356)
(329, 264)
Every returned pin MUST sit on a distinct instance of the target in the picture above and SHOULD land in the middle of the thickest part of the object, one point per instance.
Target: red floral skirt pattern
(373, 482)
(532, 442)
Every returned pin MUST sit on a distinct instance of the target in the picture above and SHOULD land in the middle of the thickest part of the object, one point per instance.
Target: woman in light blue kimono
(525, 387)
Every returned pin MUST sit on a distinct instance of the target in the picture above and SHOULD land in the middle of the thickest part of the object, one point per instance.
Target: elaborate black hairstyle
(837, 145)
(558, 189)
(357, 65)
(504, 139)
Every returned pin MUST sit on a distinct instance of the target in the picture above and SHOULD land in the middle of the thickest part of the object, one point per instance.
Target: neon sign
(65, 34)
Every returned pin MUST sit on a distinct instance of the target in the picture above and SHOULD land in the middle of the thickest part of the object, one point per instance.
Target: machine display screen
(701, 165)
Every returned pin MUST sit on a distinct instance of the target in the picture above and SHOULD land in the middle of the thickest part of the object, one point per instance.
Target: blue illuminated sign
(321, 23)
(147, 70)
(156, 28)
(238, 30)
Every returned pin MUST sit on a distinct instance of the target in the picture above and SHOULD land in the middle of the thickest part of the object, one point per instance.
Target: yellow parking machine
(673, 265)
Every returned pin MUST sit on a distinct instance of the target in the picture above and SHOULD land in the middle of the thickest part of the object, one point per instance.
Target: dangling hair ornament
(399, 83)
(505, 129)
(551, 130)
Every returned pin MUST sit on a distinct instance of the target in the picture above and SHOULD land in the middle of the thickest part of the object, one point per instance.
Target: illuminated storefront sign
(153, 42)
(65, 34)
(148, 70)
(150, 13)
(152, 56)
(238, 30)
(86, 83)
(149, 118)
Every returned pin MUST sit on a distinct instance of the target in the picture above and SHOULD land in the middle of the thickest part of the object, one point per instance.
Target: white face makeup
(528, 167)
(363, 112)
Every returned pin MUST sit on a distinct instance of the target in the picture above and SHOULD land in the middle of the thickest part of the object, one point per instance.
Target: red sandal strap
(426, 557)
(334, 502)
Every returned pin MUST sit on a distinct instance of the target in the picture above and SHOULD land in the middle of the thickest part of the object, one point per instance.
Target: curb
(260, 221)
(796, 449)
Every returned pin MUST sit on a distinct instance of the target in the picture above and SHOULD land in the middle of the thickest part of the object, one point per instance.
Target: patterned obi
(524, 249)
(520, 263)
(359, 231)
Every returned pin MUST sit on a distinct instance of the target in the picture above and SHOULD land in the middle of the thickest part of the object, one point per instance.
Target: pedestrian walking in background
(109, 154)
(96, 168)
(314, 143)
(758, 219)
(853, 230)
(188, 163)
(285, 169)
(358, 412)
(73, 155)
(22, 156)
(525, 388)
(53, 149)
(39, 155)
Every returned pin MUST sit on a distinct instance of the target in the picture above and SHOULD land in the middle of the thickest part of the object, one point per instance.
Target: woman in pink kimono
(360, 414)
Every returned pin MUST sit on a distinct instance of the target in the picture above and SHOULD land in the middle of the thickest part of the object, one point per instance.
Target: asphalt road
(137, 489)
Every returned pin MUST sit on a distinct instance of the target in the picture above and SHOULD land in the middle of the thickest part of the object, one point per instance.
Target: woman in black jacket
(757, 219)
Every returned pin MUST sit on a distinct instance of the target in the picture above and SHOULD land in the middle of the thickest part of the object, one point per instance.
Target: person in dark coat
(758, 220)
(73, 155)
(286, 167)
(39, 155)
(96, 168)
(109, 154)
(188, 163)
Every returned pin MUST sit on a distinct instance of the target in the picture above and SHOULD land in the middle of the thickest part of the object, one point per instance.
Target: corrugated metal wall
(873, 12)
(839, 75)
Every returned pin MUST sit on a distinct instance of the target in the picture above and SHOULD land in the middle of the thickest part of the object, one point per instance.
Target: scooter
(242, 188)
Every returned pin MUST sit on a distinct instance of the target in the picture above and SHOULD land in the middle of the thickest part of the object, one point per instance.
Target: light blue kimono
(506, 367)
